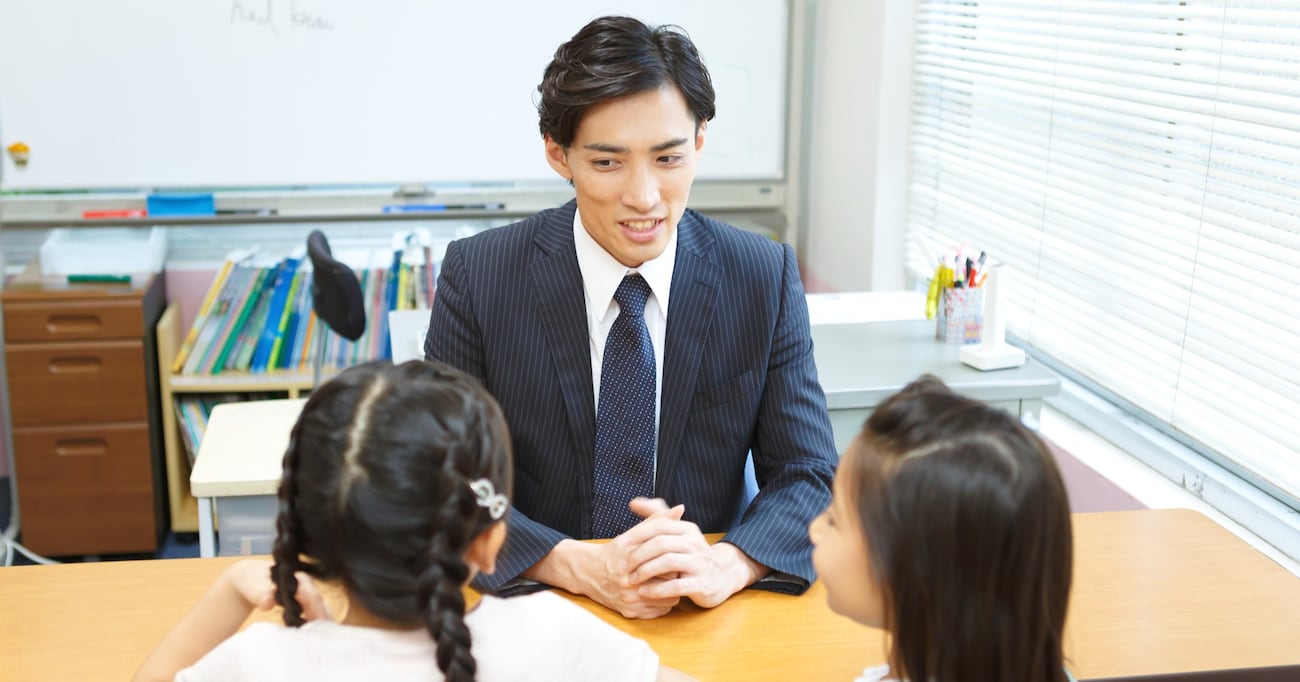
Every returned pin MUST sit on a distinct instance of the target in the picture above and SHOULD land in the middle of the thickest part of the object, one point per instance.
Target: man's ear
(699, 136)
(558, 156)
(485, 546)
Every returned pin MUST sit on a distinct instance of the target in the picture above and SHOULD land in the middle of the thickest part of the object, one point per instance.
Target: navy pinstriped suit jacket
(738, 376)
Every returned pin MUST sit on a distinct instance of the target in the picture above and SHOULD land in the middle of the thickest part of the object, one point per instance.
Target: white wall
(850, 227)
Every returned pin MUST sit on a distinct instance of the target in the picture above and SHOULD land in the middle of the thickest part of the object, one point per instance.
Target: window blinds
(1138, 165)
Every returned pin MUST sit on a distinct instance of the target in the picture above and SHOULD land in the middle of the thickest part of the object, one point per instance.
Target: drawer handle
(74, 365)
(71, 324)
(81, 448)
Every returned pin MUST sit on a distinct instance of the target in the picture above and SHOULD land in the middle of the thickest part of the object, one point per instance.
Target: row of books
(258, 316)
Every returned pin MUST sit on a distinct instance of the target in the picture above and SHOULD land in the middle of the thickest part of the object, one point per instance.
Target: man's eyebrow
(664, 146)
(606, 148)
(619, 149)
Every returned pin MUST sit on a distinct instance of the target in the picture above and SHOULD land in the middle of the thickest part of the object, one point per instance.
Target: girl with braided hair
(394, 488)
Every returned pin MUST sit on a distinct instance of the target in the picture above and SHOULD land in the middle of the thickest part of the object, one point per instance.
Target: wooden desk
(1155, 591)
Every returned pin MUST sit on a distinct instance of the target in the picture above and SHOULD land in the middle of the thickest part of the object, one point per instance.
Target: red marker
(115, 213)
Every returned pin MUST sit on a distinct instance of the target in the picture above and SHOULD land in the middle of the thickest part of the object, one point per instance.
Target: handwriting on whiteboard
(262, 14)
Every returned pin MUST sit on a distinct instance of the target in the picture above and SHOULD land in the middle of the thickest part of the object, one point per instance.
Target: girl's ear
(484, 547)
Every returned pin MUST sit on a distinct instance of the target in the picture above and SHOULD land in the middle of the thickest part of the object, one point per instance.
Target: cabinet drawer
(73, 320)
(76, 383)
(86, 490)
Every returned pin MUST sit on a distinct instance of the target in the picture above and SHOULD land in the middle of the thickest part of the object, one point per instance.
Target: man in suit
(647, 446)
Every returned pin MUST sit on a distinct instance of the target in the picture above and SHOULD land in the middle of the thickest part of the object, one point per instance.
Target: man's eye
(603, 163)
(670, 160)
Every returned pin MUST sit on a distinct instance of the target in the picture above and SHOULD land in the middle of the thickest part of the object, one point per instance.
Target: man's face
(632, 163)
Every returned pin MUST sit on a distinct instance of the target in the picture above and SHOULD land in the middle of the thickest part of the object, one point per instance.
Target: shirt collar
(602, 273)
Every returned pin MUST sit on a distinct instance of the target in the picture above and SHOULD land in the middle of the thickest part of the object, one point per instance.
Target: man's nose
(642, 190)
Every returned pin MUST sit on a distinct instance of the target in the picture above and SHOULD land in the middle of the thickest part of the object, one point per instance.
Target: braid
(441, 582)
(375, 494)
(287, 551)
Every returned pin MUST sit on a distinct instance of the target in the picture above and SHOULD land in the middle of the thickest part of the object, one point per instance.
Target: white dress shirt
(601, 275)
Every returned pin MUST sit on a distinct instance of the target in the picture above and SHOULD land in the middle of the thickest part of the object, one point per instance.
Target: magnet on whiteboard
(20, 153)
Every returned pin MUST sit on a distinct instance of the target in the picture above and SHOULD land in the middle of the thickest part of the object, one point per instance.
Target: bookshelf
(292, 384)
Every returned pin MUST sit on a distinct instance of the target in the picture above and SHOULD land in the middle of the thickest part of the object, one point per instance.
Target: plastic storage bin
(103, 251)
(245, 524)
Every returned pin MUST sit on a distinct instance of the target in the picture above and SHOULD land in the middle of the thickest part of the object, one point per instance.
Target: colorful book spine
(191, 338)
(246, 306)
(273, 324)
(241, 355)
(403, 287)
(215, 322)
(302, 326)
(286, 315)
(430, 277)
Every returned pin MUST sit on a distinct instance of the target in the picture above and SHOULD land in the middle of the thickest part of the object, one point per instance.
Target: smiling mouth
(640, 225)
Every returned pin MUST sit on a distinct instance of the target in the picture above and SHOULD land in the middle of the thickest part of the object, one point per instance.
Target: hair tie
(486, 496)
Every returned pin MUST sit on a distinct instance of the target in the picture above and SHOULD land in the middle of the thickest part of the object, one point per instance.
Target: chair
(336, 298)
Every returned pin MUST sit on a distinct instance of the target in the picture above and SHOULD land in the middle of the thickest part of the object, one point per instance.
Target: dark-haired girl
(949, 528)
(394, 487)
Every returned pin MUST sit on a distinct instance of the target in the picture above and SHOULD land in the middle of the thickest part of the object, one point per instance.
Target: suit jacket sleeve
(793, 449)
(454, 338)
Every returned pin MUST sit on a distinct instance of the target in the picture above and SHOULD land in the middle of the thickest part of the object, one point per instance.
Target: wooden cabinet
(83, 397)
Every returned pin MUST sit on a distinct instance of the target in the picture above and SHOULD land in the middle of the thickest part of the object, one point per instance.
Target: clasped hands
(647, 570)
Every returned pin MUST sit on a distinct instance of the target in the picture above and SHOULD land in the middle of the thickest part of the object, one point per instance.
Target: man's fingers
(664, 566)
(656, 590)
(647, 606)
(665, 522)
(646, 507)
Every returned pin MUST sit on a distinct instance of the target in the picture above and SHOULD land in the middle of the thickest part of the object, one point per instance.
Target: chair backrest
(335, 290)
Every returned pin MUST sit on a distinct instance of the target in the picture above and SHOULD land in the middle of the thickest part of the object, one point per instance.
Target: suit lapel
(696, 277)
(562, 308)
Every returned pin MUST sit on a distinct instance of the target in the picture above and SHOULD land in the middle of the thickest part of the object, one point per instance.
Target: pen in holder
(993, 352)
(960, 316)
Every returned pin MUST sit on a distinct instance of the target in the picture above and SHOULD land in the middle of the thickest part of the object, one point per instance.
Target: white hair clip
(487, 497)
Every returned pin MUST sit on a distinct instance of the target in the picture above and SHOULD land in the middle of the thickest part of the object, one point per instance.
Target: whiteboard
(301, 93)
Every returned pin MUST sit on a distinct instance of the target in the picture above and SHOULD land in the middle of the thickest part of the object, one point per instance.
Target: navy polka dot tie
(625, 418)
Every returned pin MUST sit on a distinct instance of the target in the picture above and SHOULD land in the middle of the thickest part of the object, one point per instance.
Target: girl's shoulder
(545, 636)
(318, 650)
(544, 605)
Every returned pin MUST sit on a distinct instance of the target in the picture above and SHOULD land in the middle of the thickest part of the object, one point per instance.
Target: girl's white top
(536, 637)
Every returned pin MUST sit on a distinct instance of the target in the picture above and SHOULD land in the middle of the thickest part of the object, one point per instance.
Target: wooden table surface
(1155, 591)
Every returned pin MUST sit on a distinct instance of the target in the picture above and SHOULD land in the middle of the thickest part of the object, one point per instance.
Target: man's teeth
(640, 224)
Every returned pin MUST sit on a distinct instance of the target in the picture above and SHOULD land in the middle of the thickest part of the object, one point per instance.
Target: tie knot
(632, 294)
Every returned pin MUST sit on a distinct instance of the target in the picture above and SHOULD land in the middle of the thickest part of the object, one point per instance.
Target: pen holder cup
(960, 316)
